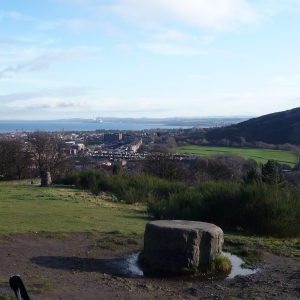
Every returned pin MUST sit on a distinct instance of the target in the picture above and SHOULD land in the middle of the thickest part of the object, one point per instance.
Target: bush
(156, 207)
(72, 179)
(184, 205)
(131, 189)
(255, 208)
(221, 264)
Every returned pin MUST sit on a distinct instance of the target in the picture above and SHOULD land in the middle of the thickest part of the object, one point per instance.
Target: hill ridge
(275, 128)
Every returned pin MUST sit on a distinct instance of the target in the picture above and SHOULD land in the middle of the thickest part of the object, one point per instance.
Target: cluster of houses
(103, 148)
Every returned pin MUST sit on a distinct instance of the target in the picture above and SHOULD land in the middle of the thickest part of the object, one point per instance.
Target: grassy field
(30, 208)
(260, 155)
(62, 209)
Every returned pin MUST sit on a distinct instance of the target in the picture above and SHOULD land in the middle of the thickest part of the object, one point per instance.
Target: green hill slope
(276, 128)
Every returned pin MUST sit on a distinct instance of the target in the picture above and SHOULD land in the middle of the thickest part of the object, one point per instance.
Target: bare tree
(84, 160)
(170, 142)
(49, 153)
(15, 160)
(236, 164)
(207, 169)
(296, 154)
(161, 165)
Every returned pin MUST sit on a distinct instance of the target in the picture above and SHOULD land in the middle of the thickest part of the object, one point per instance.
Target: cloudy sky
(148, 58)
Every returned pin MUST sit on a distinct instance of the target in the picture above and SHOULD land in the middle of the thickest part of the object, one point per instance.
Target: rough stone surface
(181, 246)
(46, 178)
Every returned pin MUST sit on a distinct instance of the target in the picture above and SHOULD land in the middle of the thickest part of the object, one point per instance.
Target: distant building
(112, 137)
(78, 147)
(136, 145)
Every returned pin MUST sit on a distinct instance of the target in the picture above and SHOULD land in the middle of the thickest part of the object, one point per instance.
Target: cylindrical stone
(181, 246)
(46, 178)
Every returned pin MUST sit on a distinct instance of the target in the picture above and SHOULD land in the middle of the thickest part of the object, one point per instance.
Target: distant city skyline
(153, 58)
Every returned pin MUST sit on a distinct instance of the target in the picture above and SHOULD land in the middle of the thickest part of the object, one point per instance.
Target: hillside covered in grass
(31, 208)
(276, 128)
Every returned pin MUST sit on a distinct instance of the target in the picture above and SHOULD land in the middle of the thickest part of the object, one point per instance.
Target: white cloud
(80, 25)
(288, 82)
(219, 15)
(170, 35)
(9, 41)
(279, 79)
(49, 25)
(77, 2)
(208, 39)
(146, 103)
(271, 7)
(43, 61)
(142, 67)
(123, 47)
(75, 104)
(62, 92)
(169, 49)
(198, 76)
(18, 16)
(74, 25)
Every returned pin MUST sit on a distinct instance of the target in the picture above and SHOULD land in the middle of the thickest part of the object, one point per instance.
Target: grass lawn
(31, 208)
(62, 209)
(260, 155)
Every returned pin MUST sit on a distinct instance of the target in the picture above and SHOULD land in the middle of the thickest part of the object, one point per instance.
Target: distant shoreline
(140, 120)
(31, 126)
(113, 124)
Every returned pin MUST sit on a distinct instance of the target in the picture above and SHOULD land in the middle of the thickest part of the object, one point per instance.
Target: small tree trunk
(46, 178)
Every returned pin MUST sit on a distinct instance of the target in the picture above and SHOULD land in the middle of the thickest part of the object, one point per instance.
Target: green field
(260, 155)
(61, 209)
(30, 208)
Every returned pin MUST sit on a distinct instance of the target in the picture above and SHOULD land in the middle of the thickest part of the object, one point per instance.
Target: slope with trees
(276, 128)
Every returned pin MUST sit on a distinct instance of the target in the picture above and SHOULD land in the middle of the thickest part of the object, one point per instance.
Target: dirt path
(60, 267)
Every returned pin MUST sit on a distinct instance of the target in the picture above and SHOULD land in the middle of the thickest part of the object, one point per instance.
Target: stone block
(181, 246)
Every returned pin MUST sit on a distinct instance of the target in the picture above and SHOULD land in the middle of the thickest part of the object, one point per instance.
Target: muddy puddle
(236, 267)
(130, 267)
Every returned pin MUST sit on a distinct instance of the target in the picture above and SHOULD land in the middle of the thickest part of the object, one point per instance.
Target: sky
(148, 58)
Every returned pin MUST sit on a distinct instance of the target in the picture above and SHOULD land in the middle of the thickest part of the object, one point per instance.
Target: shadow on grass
(123, 267)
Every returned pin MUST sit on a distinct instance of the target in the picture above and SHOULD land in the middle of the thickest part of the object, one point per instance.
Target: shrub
(220, 264)
(184, 205)
(131, 189)
(255, 208)
(72, 179)
(156, 208)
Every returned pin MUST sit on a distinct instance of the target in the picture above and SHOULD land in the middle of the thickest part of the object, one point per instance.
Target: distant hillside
(277, 128)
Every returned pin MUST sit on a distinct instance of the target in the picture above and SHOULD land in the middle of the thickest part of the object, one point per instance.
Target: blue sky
(148, 58)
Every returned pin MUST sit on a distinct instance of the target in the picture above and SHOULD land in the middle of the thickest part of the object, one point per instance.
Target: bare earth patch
(78, 266)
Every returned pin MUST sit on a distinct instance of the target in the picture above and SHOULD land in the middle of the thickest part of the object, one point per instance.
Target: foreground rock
(181, 246)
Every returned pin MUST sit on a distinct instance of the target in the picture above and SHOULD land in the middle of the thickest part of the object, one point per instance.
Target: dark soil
(70, 267)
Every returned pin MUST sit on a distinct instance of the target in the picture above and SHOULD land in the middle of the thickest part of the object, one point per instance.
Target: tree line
(26, 159)
(226, 190)
(255, 199)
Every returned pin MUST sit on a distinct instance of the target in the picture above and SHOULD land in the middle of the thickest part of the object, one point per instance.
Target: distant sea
(30, 126)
